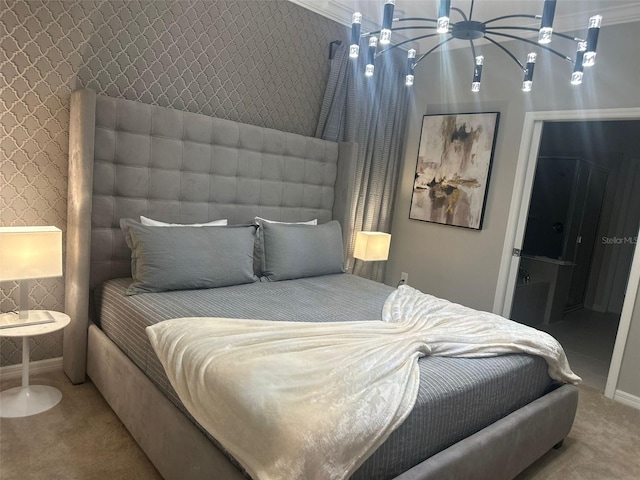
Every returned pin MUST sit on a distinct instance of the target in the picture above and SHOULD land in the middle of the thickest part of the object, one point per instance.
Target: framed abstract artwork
(453, 168)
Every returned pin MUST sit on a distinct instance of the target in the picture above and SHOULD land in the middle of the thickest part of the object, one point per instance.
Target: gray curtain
(371, 112)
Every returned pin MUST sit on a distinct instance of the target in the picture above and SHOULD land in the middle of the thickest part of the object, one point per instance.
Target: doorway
(578, 246)
(514, 239)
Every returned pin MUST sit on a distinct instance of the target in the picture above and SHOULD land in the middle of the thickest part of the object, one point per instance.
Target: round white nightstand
(31, 399)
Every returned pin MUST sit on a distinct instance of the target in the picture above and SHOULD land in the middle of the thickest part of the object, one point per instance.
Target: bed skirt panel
(504, 449)
(175, 446)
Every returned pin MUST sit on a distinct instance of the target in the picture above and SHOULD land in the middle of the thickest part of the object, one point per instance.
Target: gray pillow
(297, 251)
(259, 242)
(185, 258)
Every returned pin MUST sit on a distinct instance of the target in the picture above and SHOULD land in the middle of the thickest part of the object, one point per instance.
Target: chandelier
(472, 30)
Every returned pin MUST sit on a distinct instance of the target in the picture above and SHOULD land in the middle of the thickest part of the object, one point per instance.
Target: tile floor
(588, 338)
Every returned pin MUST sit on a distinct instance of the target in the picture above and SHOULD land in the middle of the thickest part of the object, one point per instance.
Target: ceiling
(571, 15)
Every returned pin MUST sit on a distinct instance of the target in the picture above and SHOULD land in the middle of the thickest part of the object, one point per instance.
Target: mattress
(457, 396)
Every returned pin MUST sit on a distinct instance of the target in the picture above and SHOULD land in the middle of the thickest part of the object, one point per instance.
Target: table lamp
(372, 246)
(28, 253)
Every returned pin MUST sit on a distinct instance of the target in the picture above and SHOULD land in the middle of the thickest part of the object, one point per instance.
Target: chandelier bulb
(589, 58)
(356, 24)
(385, 36)
(527, 83)
(477, 74)
(387, 21)
(546, 24)
(444, 10)
(577, 74)
(371, 56)
(544, 36)
(411, 56)
(576, 78)
(443, 25)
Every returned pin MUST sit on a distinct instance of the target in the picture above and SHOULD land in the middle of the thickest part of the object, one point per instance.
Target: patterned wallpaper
(262, 62)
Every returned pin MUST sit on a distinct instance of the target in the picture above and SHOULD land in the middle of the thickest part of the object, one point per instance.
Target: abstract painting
(453, 168)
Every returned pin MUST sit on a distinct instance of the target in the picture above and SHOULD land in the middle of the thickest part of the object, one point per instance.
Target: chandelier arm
(471, 12)
(473, 51)
(416, 19)
(416, 27)
(461, 13)
(408, 41)
(506, 51)
(530, 29)
(412, 27)
(568, 37)
(555, 52)
(522, 15)
(433, 49)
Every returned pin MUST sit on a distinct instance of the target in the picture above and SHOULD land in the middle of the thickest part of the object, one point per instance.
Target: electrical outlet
(404, 278)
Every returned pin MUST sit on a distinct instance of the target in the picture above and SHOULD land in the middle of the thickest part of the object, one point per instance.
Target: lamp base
(25, 401)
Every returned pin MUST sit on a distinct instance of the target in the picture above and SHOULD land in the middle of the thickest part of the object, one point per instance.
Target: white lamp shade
(30, 252)
(372, 246)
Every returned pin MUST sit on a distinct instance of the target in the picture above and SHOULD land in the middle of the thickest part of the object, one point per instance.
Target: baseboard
(627, 399)
(41, 366)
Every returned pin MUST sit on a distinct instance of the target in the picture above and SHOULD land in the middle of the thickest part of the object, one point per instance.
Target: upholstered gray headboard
(128, 159)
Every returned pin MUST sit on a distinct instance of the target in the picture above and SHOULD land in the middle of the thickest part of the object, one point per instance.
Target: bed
(129, 159)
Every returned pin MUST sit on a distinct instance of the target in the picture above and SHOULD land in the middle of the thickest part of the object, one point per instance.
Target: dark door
(553, 191)
(582, 244)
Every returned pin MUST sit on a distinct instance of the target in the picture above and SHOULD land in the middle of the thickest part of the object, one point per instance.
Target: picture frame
(453, 168)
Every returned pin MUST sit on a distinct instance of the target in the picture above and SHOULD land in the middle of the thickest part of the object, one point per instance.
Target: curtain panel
(372, 112)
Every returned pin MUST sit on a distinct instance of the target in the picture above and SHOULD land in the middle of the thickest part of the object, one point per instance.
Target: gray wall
(462, 265)
(258, 62)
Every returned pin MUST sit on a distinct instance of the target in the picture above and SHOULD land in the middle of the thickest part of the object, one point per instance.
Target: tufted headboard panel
(128, 159)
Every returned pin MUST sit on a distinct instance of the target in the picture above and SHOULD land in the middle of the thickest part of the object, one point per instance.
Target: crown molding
(612, 14)
(341, 13)
(335, 11)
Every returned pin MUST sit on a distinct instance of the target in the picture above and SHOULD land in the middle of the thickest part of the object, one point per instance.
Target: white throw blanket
(294, 400)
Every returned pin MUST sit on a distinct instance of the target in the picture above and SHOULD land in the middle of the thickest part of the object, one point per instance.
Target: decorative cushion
(157, 223)
(297, 251)
(259, 243)
(184, 258)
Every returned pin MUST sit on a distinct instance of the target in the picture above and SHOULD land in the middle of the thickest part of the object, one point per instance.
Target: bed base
(180, 451)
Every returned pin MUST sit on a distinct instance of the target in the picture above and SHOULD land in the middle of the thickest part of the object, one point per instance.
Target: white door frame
(523, 184)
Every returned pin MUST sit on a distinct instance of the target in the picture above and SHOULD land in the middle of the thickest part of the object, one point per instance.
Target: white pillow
(259, 243)
(156, 223)
(310, 222)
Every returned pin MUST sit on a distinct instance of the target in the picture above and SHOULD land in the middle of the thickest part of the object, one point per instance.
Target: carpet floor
(82, 439)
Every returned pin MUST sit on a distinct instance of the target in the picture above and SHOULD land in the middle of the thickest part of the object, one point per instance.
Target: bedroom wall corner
(235, 59)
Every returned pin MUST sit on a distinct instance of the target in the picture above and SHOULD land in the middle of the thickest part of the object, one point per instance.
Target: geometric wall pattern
(252, 61)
